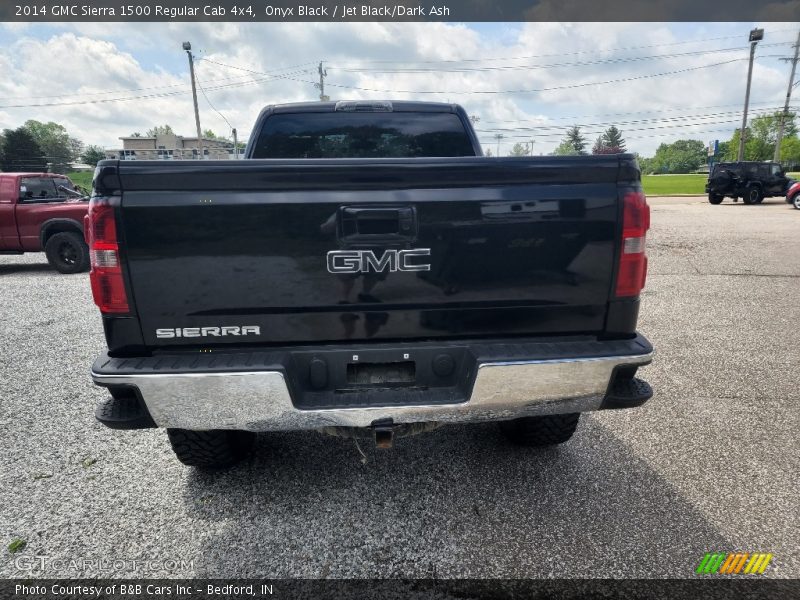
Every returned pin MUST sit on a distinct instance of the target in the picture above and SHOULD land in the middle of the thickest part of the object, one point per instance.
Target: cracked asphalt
(709, 464)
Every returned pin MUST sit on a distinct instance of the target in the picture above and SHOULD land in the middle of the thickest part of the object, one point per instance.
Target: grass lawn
(83, 179)
(669, 185)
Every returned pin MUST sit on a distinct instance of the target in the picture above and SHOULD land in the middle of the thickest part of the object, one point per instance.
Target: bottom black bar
(704, 587)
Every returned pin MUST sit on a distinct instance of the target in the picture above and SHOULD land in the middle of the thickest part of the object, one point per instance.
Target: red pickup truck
(44, 211)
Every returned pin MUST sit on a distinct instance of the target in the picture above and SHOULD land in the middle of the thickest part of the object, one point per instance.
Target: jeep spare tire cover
(722, 177)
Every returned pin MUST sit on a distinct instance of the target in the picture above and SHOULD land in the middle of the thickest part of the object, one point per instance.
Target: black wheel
(753, 195)
(541, 431)
(67, 252)
(715, 198)
(796, 201)
(213, 449)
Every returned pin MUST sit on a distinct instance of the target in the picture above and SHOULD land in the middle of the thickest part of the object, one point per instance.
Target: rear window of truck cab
(43, 188)
(363, 135)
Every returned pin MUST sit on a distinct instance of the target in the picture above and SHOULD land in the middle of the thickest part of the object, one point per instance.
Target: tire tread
(541, 431)
(210, 449)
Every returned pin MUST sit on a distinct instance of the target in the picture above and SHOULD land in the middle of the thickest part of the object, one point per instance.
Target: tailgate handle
(377, 224)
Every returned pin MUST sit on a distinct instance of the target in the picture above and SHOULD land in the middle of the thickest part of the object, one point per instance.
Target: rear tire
(540, 431)
(753, 195)
(796, 201)
(715, 198)
(67, 252)
(213, 449)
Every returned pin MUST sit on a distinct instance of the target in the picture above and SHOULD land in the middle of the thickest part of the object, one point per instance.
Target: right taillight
(108, 286)
(633, 260)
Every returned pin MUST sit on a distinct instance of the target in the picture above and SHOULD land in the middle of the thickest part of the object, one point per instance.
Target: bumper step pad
(627, 393)
(126, 412)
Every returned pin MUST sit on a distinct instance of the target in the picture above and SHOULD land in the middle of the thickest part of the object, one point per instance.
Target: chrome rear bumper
(260, 400)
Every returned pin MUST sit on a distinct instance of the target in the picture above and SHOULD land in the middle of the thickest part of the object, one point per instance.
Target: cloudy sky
(525, 81)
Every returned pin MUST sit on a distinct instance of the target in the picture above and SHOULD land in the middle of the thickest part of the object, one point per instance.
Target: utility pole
(235, 144)
(755, 36)
(323, 73)
(785, 113)
(498, 137)
(188, 47)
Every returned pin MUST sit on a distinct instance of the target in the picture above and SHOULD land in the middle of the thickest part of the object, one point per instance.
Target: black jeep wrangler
(751, 181)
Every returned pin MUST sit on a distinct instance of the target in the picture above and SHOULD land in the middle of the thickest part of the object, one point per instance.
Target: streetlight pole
(777, 157)
(188, 47)
(755, 36)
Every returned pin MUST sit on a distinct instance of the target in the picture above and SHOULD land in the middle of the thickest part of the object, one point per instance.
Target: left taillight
(108, 285)
(633, 259)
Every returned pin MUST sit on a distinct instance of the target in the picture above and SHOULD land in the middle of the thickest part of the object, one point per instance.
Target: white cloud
(80, 64)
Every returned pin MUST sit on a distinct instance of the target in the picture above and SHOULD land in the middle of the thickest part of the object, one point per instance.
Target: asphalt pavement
(709, 464)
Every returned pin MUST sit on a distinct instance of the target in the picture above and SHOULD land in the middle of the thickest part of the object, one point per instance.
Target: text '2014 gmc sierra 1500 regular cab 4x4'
(366, 271)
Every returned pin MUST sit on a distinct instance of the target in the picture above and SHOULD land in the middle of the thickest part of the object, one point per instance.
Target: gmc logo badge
(361, 261)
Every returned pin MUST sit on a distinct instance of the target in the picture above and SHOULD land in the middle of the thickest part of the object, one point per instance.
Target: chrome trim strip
(260, 400)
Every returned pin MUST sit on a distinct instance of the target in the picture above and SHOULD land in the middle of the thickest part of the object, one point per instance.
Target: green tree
(612, 139)
(520, 149)
(21, 152)
(573, 143)
(790, 151)
(159, 130)
(93, 155)
(136, 134)
(732, 149)
(682, 156)
(599, 146)
(760, 137)
(56, 144)
(645, 165)
(576, 140)
(565, 149)
(722, 149)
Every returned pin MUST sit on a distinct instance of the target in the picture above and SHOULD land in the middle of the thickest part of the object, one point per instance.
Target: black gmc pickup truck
(366, 272)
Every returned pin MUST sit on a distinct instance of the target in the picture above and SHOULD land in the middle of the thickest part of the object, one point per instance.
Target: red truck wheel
(67, 252)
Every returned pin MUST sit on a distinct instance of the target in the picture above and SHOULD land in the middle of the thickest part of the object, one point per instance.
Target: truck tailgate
(302, 250)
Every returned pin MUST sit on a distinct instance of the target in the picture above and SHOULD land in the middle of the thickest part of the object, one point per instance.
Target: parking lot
(709, 464)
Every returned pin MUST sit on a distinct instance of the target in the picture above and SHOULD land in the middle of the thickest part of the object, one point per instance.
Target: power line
(616, 60)
(450, 61)
(592, 132)
(620, 114)
(269, 76)
(144, 96)
(639, 125)
(145, 89)
(577, 52)
(214, 108)
(520, 91)
(545, 126)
